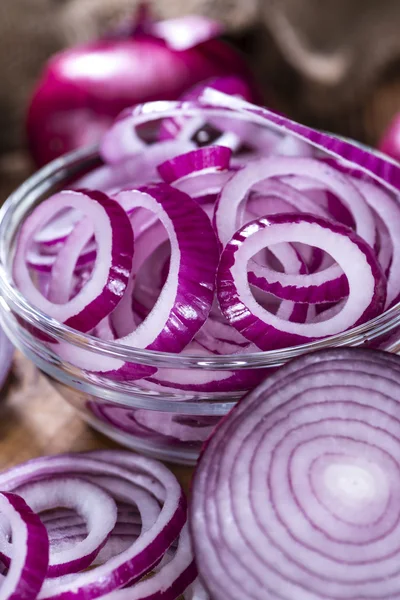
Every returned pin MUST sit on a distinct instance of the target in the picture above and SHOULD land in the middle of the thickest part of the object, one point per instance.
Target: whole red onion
(83, 89)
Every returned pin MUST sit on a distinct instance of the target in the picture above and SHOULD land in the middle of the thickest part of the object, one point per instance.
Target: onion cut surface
(296, 495)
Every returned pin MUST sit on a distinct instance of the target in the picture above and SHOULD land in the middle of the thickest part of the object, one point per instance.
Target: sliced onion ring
(93, 504)
(169, 582)
(215, 158)
(267, 331)
(142, 473)
(28, 568)
(113, 264)
(237, 187)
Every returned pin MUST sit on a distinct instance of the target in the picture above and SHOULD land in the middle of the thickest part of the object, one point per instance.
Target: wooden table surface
(35, 420)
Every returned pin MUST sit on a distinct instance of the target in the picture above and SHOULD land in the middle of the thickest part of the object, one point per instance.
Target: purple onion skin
(71, 109)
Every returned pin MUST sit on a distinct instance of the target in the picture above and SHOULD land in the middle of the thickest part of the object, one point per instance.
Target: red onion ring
(169, 582)
(185, 300)
(144, 475)
(214, 158)
(236, 188)
(135, 170)
(112, 268)
(345, 155)
(388, 210)
(122, 139)
(96, 507)
(29, 566)
(267, 330)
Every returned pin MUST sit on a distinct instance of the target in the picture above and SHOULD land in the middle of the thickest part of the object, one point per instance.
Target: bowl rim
(72, 164)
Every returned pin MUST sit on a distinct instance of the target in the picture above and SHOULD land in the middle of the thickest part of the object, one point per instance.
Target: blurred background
(332, 64)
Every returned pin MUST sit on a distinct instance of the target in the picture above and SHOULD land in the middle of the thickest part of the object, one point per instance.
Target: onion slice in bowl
(237, 187)
(388, 209)
(267, 331)
(123, 139)
(63, 269)
(351, 155)
(186, 298)
(296, 495)
(200, 173)
(113, 232)
(209, 158)
(28, 569)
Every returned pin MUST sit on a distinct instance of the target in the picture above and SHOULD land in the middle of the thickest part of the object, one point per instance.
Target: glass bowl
(169, 414)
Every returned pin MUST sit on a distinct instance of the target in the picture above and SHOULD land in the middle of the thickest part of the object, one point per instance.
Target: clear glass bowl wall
(169, 414)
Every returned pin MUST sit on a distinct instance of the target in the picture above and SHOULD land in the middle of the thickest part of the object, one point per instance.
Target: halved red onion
(297, 492)
(30, 543)
(112, 268)
(266, 330)
(130, 476)
(95, 506)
